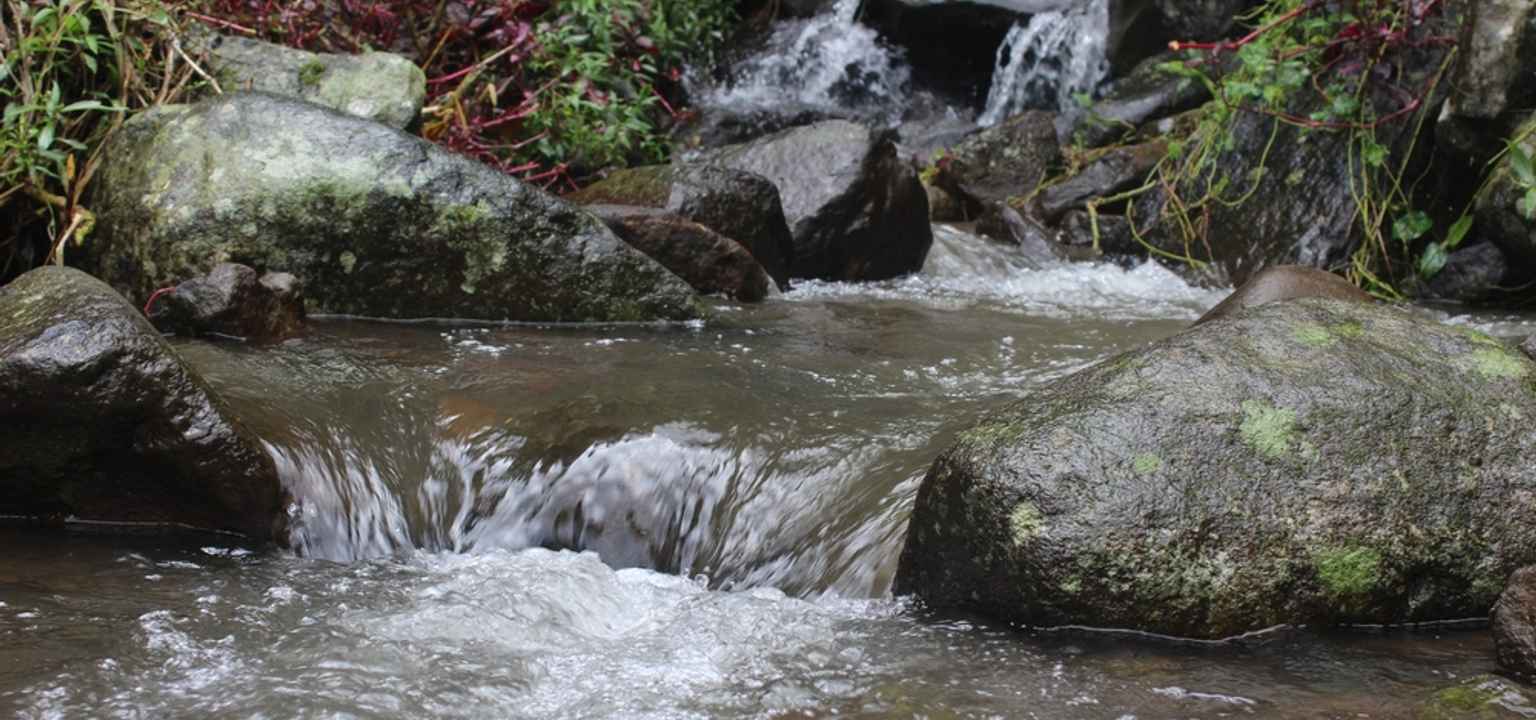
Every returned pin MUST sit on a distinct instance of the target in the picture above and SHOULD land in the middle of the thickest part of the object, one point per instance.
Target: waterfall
(829, 62)
(1048, 60)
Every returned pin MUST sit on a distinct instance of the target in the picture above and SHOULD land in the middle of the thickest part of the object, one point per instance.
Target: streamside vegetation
(545, 90)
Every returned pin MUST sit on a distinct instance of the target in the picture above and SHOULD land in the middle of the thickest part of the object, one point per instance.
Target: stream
(643, 521)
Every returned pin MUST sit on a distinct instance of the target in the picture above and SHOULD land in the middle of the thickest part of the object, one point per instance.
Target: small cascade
(829, 62)
(1049, 60)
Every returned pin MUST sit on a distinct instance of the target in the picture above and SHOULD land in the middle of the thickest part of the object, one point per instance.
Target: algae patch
(1312, 335)
(1348, 572)
(1146, 463)
(1267, 429)
(1492, 363)
(1025, 522)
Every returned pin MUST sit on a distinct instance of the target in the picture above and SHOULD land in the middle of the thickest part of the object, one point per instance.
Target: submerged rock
(709, 261)
(380, 86)
(105, 423)
(740, 205)
(1285, 282)
(1004, 161)
(857, 211)
(1312, 461)
(232, 300)
(1485, 697)
(1514, 624)
(373, 221)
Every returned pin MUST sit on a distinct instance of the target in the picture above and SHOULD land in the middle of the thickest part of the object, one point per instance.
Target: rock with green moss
(1308, 461)
(1006, 161)
(106, 424)
(373, 221)
(379, 86)
(1485, 697)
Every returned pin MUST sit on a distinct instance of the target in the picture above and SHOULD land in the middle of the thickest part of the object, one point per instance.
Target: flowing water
(1050, 60)
(644, 522)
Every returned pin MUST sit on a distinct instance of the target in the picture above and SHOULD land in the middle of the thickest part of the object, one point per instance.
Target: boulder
(231, 300)
(1474, 273)
(740, 205)
(1004, 224)
(710, 262)
(1514, 624)
(106, 424)
(1528, 346)
(1007, 160)
(380, 86)
(374, 221)
(1311, 461)
(1114, 170)
(856, 210)
(1201, 20)
(1075, 235)
(1497, 56)
(1285, 282)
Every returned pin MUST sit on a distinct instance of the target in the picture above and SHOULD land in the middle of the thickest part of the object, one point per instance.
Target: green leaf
(45, 138)
(1411, 226)
(1458, 231)
(86, 105)
(1520, 160)
(1374, 153)
(1433, 259)
(1527, 204)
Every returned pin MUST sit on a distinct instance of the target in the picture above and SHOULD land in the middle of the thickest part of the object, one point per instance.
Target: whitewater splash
(1049, 61)
(829, 62)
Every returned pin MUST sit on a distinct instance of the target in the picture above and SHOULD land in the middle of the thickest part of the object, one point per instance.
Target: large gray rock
(105, 423)
(373, 221)
(376, 85)
(857, 211)
(1497, 56)
(1285, 282)
(1312, 461)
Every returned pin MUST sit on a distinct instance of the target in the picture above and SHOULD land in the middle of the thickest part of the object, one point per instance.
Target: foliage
(1319, 67)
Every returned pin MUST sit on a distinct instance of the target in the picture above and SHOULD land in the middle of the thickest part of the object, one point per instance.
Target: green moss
(1025, 523)
(311, 72)
(1350, 330)
(1312, 335)
(1267, 429)
(1348, 572)
(1146, 463)
(1496, 362)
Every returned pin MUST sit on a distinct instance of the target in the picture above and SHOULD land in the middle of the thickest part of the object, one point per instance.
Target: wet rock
(740, 205)
(950, 46)
(105, 423)
(232, 300)
(1312, 461)
(380, 86)
(1503, 214)
(1147, 94)
(1285, 282)
(1004, 224)
(856, 210)
(1497, 57)
(1116, 170)
(1485, 697)
(1201, 20)
(1529, 347)
(1114, 236)
(373, 221)
(1475, 273)
(943, 207)
(709, 261)
(712, 127)
(1514, 624)
(1008, 160)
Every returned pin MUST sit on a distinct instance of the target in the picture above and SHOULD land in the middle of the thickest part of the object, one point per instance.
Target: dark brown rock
(231, 300)
(1116, 170)
(1285, 282)
(707, 260)
(1008, 160)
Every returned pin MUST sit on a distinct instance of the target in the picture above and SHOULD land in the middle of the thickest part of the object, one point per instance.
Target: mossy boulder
(106, 424)
(373, 221)
(857, 211)
(380, 86)
(1309, 461)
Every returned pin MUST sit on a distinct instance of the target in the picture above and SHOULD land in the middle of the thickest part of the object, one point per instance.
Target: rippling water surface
(644, 521)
